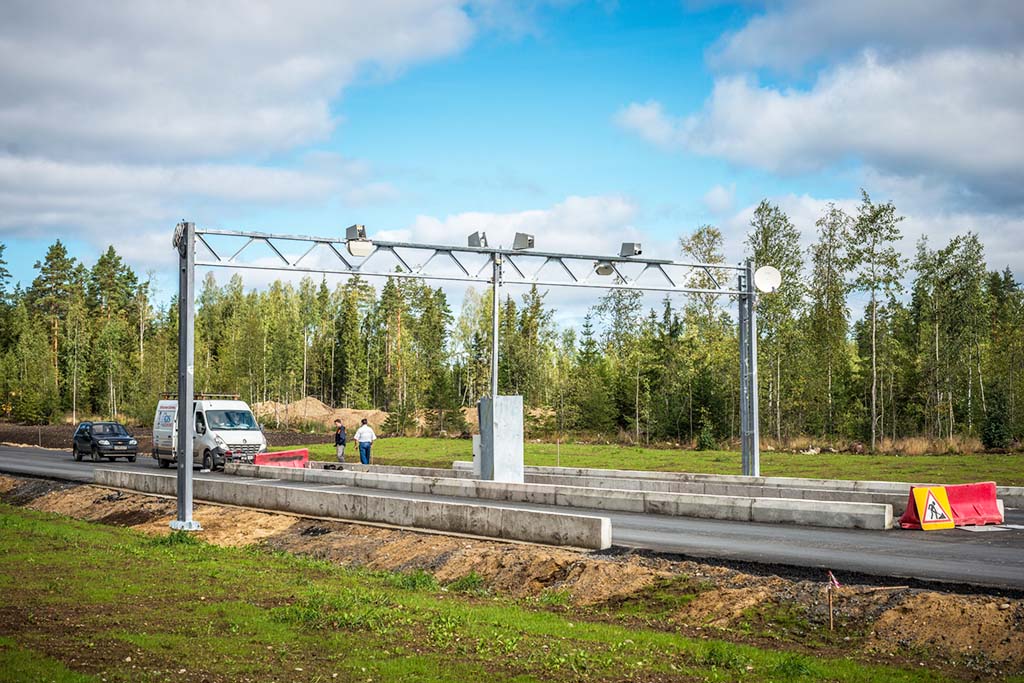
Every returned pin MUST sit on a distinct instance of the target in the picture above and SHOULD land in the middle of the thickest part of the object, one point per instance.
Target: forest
(933, 349)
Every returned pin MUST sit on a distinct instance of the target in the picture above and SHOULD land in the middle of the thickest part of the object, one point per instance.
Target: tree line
(935, 349)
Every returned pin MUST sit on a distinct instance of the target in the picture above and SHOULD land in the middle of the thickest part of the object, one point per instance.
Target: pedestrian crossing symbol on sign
(933, 508)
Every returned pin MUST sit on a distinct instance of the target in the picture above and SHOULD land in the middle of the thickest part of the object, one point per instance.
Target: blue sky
(583, 122)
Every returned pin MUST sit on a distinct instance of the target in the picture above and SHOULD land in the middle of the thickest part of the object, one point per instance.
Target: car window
(225, 420)
(109, 430)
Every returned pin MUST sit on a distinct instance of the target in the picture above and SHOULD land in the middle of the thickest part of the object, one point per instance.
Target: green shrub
(470, 583)
(995, 433)
(706, 435)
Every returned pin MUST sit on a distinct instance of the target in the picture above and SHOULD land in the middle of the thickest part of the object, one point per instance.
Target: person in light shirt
(365, 437)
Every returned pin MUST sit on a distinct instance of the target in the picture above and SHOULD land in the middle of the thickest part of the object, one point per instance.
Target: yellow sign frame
(941, 516)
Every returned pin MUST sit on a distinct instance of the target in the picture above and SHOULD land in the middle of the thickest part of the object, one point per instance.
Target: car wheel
(207, 461)
(131, 458)
(163, 464)
(95, 455)
(75, 453)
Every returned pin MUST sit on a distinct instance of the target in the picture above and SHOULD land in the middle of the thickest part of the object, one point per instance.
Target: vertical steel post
(495, 291)
(744, 375)
(186, 363)
(755, 420)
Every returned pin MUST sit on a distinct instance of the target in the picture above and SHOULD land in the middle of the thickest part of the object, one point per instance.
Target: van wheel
(207, 461)
(95, 455)
(163, 464)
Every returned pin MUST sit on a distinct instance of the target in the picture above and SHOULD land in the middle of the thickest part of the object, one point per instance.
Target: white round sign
(767, 279)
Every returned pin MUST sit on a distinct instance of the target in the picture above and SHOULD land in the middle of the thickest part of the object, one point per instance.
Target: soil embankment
(978, 635)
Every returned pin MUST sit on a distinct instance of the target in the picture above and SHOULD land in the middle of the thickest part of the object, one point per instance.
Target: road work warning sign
(933, 508)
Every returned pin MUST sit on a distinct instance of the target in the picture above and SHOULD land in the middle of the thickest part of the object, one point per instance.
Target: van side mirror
(200, 429)
(260, 425)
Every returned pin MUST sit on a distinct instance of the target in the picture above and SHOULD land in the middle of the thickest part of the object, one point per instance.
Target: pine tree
(49, 296)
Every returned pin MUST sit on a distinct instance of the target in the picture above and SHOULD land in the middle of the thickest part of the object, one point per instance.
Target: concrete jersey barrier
(840, 514)
(894, 492)
(551, 528)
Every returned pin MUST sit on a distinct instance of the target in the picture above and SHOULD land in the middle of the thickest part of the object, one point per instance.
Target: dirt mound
(308, 408)
(104, 505)
(722, 608)
(268, 409)
(511, 569)
(227, 526)
(472, 418)
(967, 626)
(352, 418)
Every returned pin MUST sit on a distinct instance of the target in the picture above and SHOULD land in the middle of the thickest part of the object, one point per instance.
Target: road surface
(987, 558)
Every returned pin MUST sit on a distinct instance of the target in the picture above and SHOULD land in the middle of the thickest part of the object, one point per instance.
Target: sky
(585, 123)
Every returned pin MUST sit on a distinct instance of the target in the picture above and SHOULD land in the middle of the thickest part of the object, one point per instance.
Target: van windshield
(223, 420)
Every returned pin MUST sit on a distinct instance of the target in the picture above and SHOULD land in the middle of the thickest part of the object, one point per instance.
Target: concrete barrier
(845, 515)
(551, 528)
(893, 492)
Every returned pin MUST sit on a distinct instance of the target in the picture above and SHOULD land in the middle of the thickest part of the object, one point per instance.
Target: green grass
(104, 603)
(1007, 470)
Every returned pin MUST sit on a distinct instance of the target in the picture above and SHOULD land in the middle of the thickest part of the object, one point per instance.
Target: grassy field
(84, 602)
(1007, 470)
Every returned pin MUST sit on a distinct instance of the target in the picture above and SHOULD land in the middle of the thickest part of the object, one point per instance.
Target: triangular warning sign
(933, 511)
(932, 506)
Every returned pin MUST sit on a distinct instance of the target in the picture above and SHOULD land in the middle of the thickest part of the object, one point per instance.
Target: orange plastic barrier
(969, 505)
(296, 458)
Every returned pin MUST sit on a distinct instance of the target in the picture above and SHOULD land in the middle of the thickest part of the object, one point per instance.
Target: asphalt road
(988, 558)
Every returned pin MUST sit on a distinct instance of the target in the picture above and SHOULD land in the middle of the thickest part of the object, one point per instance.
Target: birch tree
(877, 269)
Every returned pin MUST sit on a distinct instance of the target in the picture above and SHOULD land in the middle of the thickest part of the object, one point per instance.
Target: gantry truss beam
(426, 261)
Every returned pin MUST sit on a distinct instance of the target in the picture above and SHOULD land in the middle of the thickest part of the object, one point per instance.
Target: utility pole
(496, 291)
(750, 432)
(185, 241)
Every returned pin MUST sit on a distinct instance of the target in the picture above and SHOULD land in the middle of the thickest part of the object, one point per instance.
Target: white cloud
(952, 116)
(576, 225)
(719, 199)
(177, 81)
(104, 202)
(794, 33)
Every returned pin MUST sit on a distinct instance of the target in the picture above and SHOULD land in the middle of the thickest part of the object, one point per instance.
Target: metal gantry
(493, 266)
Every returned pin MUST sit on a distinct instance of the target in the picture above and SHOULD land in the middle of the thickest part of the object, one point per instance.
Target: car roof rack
(202, 396)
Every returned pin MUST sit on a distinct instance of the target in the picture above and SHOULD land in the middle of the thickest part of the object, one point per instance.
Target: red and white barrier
(964, 504)
(296, 458)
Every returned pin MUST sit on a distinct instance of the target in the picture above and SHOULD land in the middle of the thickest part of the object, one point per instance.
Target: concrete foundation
(846, 515)
(551, 528)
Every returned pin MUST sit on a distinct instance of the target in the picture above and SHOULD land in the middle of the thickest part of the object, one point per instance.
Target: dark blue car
(100, 440)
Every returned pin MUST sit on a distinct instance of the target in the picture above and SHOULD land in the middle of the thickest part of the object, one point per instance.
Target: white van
(225, 431)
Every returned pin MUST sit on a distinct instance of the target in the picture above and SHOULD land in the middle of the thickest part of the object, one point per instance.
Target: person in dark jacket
(340, 439)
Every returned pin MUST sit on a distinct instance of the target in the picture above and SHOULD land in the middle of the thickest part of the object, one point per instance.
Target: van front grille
(244, 448)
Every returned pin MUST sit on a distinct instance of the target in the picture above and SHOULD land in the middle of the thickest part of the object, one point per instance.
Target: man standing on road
(365, 438)
(340, 439)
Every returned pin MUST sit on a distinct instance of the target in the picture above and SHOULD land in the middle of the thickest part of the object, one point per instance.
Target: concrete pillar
(501, 439)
